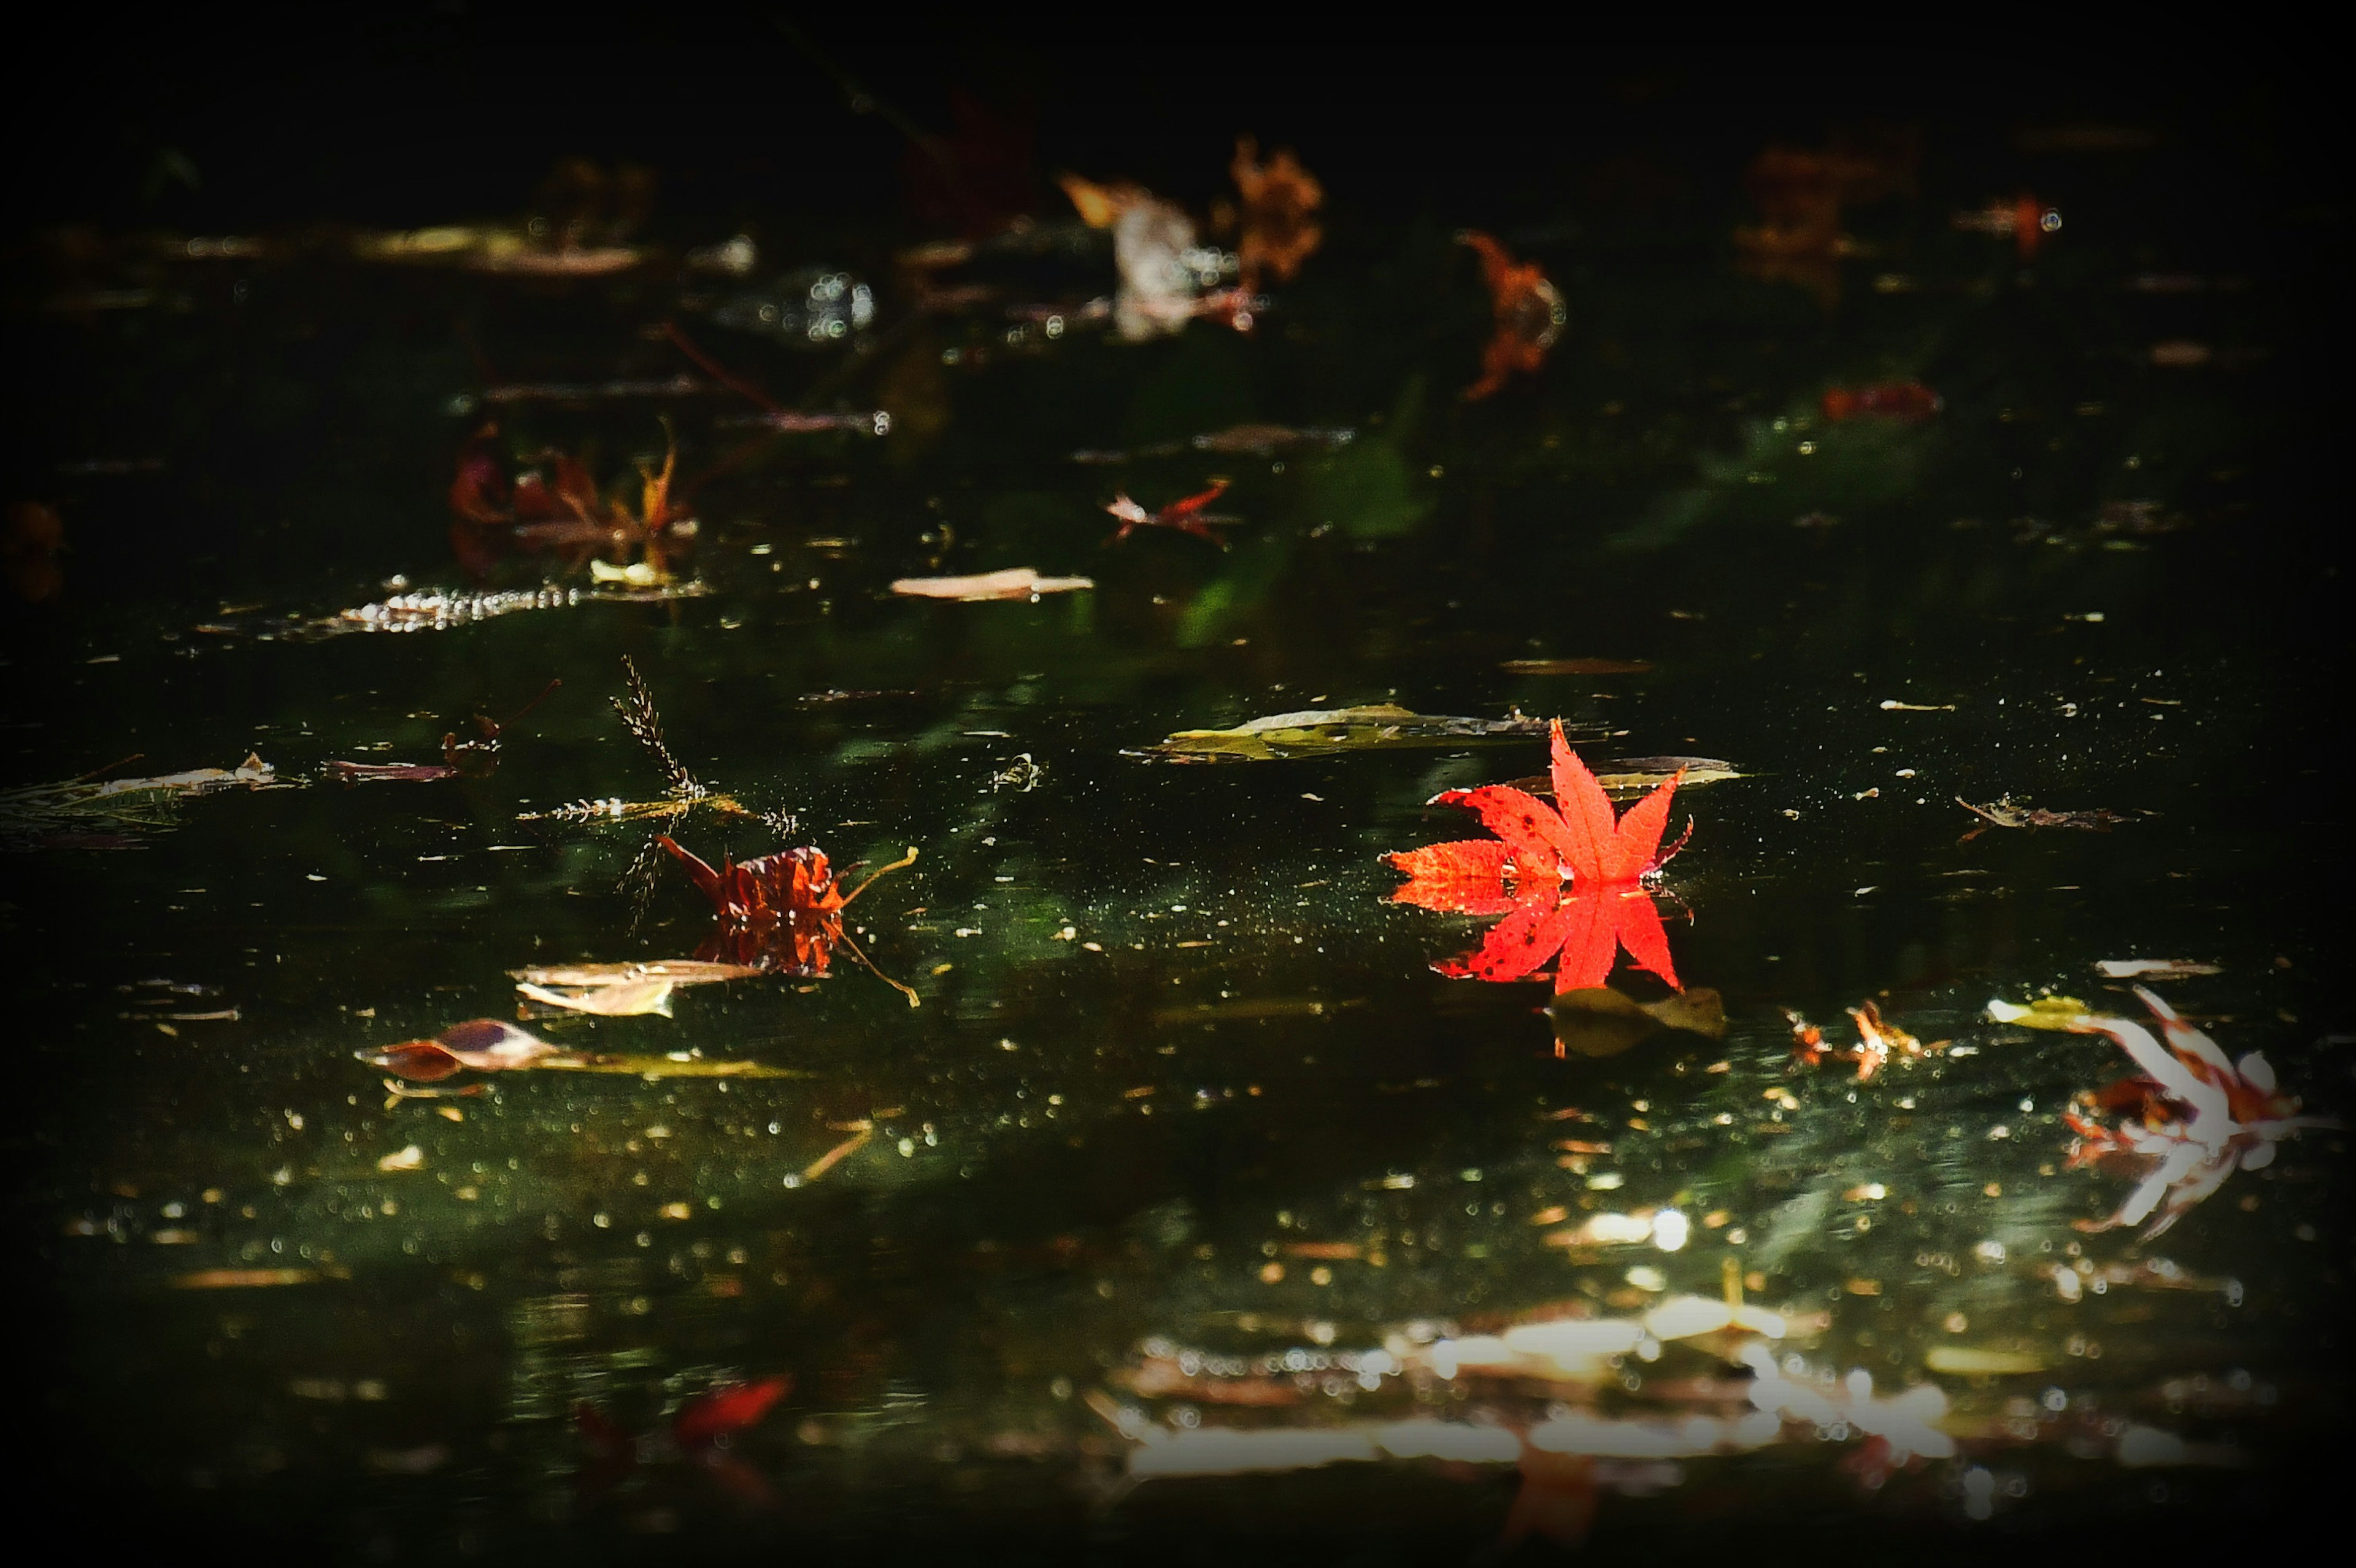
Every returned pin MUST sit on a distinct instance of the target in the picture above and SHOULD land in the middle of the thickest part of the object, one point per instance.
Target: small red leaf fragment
(731, 1408)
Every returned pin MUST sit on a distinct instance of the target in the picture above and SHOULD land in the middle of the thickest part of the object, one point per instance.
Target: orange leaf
(1465, 878)
(1532, 829)
(1586, 811)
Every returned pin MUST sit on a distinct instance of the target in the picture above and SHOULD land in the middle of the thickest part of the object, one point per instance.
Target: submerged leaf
(492, 1045)
(1598, 1022)
(1316, 732)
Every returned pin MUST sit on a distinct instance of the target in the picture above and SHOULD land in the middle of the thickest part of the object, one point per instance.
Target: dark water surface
(1186, 1137)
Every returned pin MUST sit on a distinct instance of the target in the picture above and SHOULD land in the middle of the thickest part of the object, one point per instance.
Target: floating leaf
(627, 1000)
(1578, 880)
(1973, 1361)
(486, 1045)
(1317, 732)
(245, 1278)
(349, 773)
(673, 1065)
(1576, 666)
(2064, 1014)
(1623, 776)
(1186, 515)
(2154, 968)
(676, 971)
(780, 912)
(1908, 402)
(1014, 582)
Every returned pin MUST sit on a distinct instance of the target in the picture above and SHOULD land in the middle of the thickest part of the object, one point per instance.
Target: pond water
(1188, 1203)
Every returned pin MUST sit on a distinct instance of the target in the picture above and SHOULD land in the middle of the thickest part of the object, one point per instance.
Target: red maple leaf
(699, 1434)
(1186, 516)
(1569, 879)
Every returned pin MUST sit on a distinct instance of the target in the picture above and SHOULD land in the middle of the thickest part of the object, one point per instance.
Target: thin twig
(856, 952)
(719, 373)
(903, 863)
(645, 725)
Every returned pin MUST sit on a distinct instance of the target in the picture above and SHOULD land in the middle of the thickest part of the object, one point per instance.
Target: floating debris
(1187, 516)
(1325, 732)
(2005, 814)
(433, 610)
(1014, 582)
(64, 814)
(1576, 666)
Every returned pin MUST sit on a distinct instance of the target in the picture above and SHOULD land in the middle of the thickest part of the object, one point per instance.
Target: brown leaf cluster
(1800, 193)
(555, 508)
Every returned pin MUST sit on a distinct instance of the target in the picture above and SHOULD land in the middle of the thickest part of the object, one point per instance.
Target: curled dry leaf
(2004, 813)
(1014, 582)
(1323, 731)
(486, 1045)
(780, 914)
(561, 512)
(1527, 310)
(1878, 1042)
